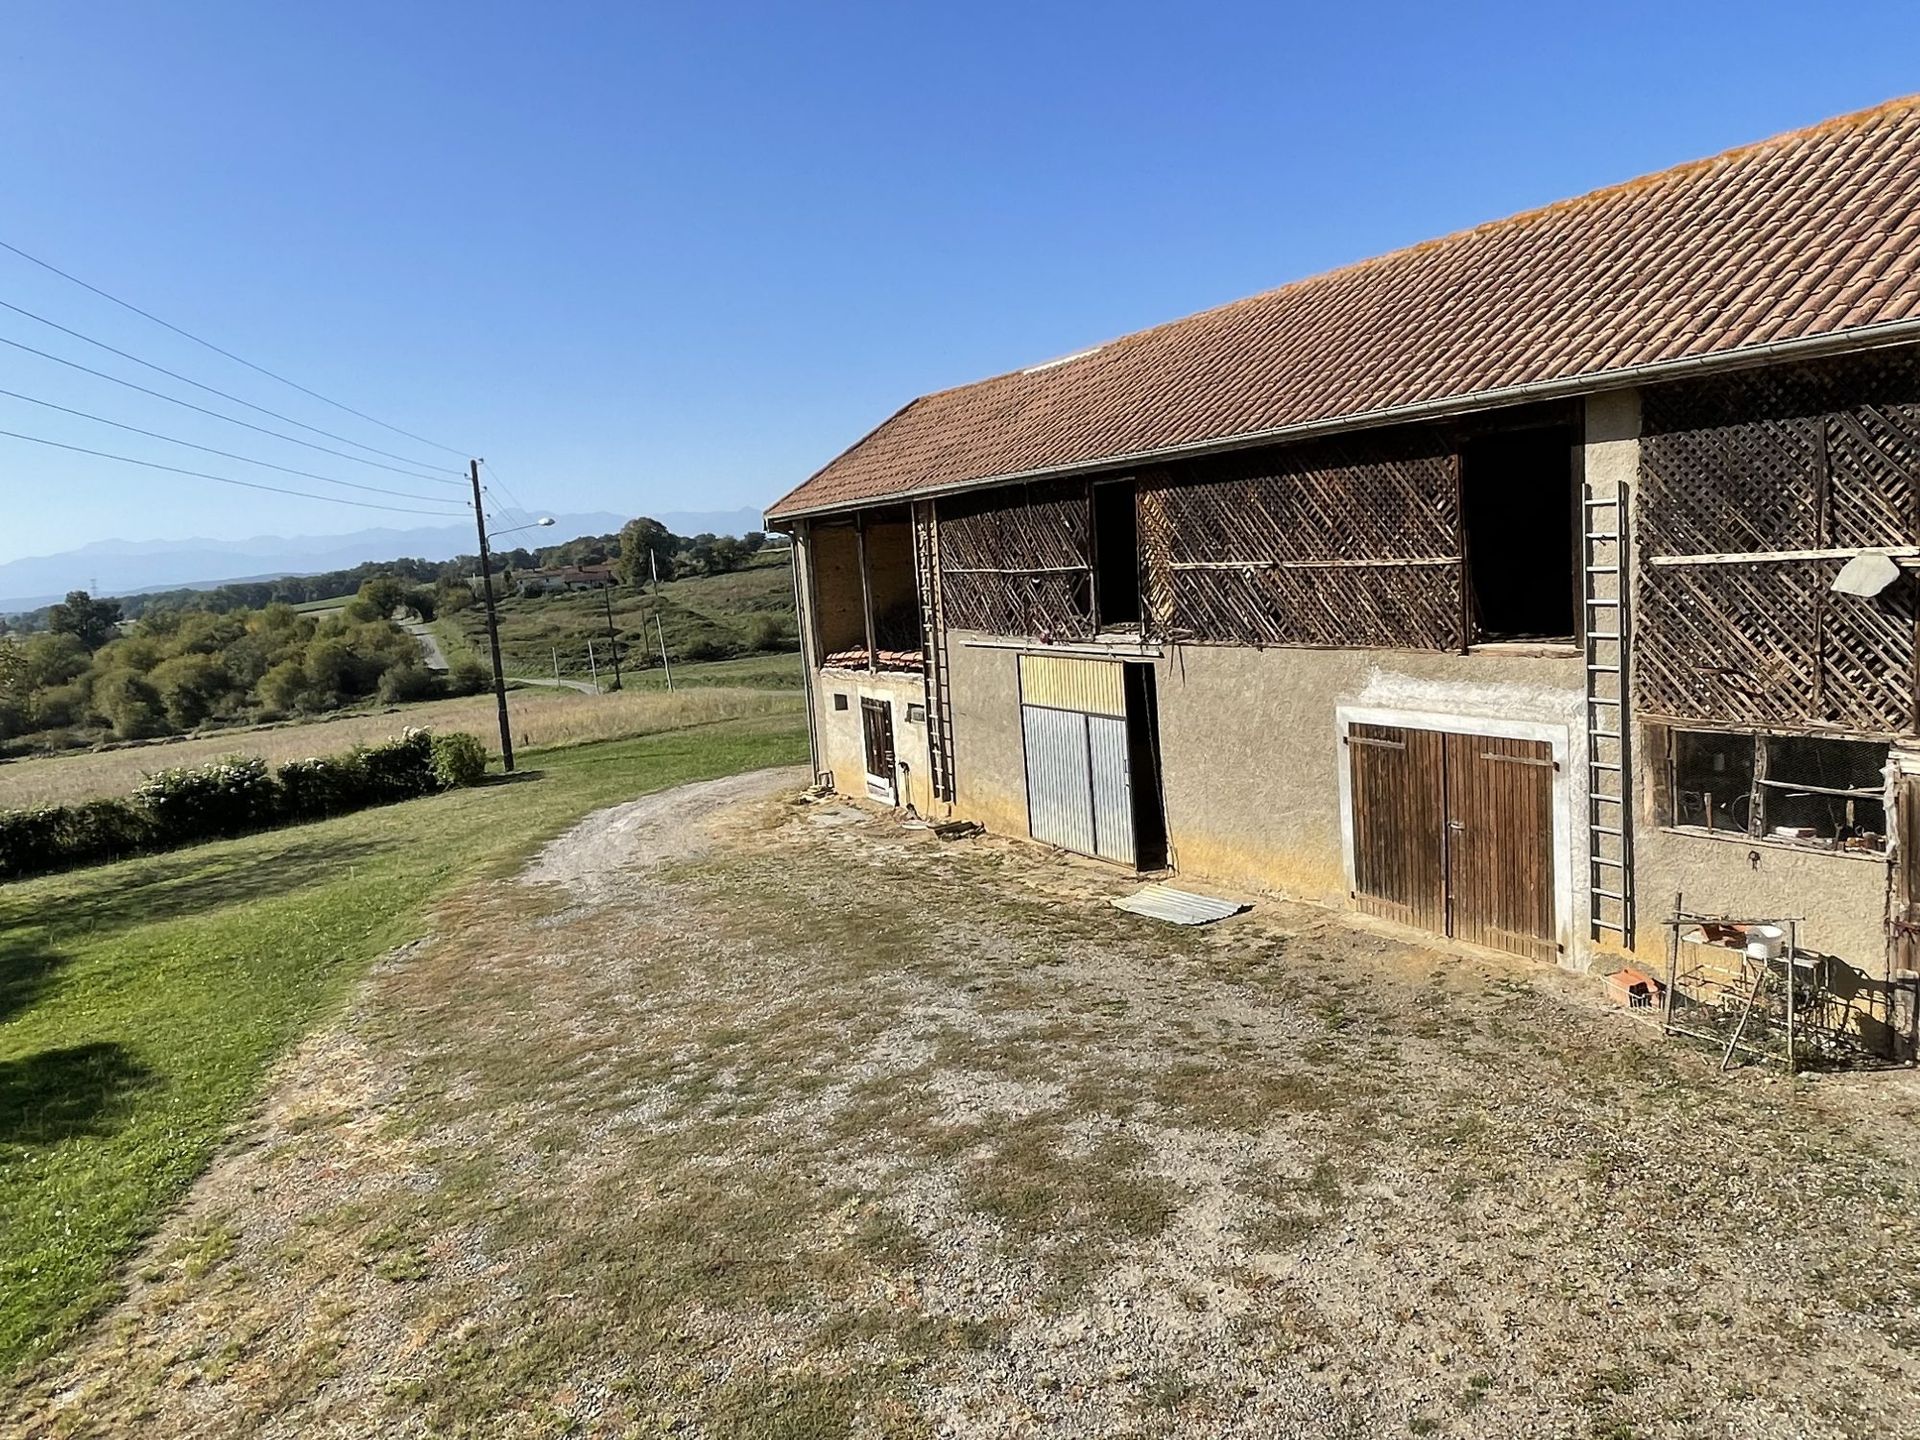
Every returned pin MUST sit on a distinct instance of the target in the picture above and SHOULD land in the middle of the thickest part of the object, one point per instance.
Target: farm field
(705, 617)
(539, 718)
(141, 1003)
(732, 1116)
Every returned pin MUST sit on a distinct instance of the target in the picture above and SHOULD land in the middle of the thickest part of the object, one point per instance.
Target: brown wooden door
(1399, 824)
(1500, 843)
(1454, 834)
(876, 725)
(1904, 921)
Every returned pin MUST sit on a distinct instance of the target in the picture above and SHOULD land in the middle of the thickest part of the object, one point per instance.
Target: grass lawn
(141, 1003)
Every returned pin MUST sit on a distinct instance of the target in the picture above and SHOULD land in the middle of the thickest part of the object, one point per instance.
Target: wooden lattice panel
(1018, 562)
(1810, 458)
(1355, 543)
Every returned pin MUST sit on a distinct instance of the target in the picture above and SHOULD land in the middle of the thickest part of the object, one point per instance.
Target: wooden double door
(1454, 834)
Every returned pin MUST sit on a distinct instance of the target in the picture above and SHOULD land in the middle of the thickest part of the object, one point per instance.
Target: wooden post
(1673, 963)
(613, 639)
(659, 630)
(493, 623)
(866, 589)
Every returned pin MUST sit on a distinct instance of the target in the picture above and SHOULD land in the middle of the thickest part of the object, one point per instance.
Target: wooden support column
(866, 590)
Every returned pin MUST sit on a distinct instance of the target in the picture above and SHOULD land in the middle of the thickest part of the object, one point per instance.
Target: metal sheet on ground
(1178, 907)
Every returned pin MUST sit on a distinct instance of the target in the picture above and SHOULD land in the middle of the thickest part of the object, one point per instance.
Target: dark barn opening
(1522, 554)
(1116, 556)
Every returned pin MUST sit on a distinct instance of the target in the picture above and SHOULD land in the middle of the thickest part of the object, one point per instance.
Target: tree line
(93, 674)
(449, 580)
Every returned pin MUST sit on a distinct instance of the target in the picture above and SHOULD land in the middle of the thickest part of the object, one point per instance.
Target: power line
(260, 369)
(223, 479)
(225, 454)
(525, 514)
(243, 424)
(211, 390)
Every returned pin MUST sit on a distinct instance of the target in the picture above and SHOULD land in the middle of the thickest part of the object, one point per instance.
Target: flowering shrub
(399, 769)
(324, 785)
(458, 759)
(231, 796)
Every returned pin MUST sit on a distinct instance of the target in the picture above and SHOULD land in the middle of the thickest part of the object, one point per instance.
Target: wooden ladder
(933, 649)
(1605, 635)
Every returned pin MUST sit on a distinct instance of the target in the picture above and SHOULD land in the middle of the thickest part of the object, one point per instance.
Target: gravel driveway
(740, 1115)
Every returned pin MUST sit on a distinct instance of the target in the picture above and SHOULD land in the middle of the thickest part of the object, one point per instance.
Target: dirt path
(745, 1117)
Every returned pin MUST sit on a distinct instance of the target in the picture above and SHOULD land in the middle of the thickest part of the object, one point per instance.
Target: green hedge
(232, 796)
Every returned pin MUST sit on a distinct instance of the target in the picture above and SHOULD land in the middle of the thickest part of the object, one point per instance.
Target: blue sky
(662, 257)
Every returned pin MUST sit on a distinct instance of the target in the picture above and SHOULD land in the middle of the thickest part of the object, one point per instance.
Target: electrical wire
(525, 514)
(223, 479)
(243, 424)
(238, 360)
(211, 390)
(227, 454)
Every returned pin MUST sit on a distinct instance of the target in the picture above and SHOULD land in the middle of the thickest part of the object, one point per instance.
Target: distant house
(557, 578)
(1503, 586)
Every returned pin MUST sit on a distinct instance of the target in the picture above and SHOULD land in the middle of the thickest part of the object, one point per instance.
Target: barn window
(1522, 560)
(839, 700)
(1798, 789)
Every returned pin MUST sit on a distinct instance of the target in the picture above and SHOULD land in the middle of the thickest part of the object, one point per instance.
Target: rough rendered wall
(989, 761)
(896, 600)
(1249, 746)
(1251, 756)
(1842, 897)
(843, 743)
(839, 615)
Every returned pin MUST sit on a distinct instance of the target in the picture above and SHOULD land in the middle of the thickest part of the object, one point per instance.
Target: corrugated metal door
(1399, 824)
(1079, 787)
(1454, 834)
(1112, 788)
(1500, 843)
(1059, 798)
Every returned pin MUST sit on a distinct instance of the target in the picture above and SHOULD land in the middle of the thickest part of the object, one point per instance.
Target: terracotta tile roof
(1808, 235)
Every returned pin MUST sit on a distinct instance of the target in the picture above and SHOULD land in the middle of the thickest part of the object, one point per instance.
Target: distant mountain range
(131, 567)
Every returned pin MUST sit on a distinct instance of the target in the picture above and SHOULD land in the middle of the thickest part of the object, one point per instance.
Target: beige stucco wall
(1842, 897)
(1251, 754)
(843, 743)
(1250, 749)
(989, 758)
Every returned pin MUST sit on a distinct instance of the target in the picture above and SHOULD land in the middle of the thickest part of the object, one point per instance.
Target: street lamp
(532, 525)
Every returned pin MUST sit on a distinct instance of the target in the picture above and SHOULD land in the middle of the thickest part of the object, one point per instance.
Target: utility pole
(593, 667)
(613, 640)
(653, 567)
(493, 622)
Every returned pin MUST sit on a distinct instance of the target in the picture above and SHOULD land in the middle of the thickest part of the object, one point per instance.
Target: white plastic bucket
(1765, 942)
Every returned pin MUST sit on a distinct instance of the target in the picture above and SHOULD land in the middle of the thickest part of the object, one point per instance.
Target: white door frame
(1556, 736)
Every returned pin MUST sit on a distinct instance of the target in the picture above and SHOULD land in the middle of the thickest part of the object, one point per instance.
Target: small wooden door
(1904, 920)
(876, 724)
(1454, 834)
(1500, 843)
(1399, 824)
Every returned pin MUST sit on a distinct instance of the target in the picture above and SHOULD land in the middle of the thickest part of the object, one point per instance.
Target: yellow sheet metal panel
(1068, 682)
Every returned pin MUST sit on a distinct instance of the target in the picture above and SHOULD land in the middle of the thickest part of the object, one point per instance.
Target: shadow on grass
(193, 881)
(26, 971)
(77, 1090)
